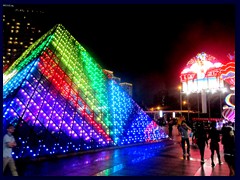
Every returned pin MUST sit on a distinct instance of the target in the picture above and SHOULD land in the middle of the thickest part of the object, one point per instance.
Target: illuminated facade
(201, 73)
(61, 101)
(204, 74)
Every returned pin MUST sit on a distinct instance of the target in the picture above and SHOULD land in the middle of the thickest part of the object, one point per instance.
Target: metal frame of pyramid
(60, 101)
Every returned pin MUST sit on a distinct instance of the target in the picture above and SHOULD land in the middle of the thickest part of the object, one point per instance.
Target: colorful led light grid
(60, 101)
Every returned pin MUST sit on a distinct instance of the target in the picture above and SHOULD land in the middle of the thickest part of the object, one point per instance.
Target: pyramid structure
(60, 101)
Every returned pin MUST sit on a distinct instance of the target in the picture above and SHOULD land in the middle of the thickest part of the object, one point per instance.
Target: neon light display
(229, 114)
(228, 75)
(60, 101)
(227, 99)
(201, 73)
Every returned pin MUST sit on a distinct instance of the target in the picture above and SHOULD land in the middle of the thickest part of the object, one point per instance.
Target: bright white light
(7, 77)
(160, 113)
(173, 115)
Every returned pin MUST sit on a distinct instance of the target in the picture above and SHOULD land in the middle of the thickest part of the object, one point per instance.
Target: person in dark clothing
(201, 140)
(228, 141)
(170, 127)
(183, 129)
(214, 146)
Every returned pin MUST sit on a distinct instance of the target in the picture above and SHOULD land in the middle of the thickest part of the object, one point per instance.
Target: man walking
(8, 143)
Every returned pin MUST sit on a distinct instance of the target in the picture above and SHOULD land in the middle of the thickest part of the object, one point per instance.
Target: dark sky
(148, 45)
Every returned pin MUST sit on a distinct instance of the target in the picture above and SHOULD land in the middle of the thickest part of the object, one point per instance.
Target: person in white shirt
(8, 143)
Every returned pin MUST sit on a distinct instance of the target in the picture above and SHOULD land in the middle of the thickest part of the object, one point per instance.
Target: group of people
(201, 137)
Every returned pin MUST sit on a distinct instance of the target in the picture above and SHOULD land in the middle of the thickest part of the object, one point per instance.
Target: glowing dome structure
(60, 101)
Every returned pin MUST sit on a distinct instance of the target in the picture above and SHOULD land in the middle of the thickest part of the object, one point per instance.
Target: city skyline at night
(147, 45)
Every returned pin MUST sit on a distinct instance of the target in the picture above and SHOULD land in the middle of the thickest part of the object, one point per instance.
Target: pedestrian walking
(170, 127)
(183, 128)
(228, 141)
(201, 140)
(214, 143)
(9, 143)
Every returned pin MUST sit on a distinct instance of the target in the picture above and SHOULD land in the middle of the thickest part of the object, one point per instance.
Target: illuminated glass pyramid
(60, 101)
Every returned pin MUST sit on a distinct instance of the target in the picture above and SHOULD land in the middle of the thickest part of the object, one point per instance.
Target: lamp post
(188, 105)
(198, 104)
(209, 105)
(180, 97)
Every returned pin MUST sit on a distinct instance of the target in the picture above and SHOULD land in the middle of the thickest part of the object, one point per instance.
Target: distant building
(127, 87)
(111, 75)
(21, 28)
(108, 73)
(117, 79)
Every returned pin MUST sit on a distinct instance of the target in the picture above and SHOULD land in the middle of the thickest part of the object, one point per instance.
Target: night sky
(148, 45)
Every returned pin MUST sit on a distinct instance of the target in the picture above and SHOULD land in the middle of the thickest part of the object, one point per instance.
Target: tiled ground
(155, 159)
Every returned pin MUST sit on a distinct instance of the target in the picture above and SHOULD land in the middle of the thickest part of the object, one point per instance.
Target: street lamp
(188, 105)
(184, 102)
(180, 97)
(198, 103)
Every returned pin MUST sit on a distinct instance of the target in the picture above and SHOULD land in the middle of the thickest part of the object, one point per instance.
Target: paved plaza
(163, 158)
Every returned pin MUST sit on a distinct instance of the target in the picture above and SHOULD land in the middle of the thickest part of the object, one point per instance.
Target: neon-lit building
(202, 74)
(61, 101)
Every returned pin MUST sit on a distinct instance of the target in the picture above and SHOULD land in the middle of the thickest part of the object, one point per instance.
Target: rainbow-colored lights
(61, 101)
